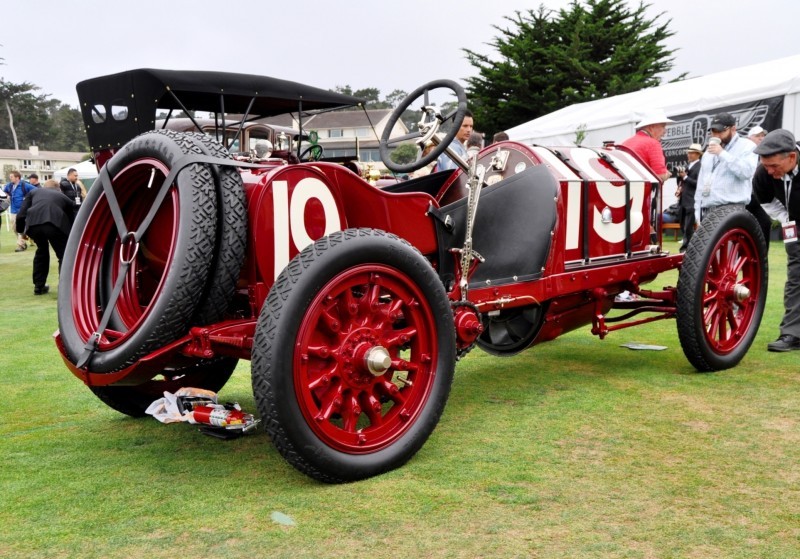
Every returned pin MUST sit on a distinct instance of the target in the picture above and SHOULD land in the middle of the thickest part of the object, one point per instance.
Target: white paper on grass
(648, 347)
(280, 518)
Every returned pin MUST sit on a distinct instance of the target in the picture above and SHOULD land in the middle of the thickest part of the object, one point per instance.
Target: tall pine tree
(548, 60)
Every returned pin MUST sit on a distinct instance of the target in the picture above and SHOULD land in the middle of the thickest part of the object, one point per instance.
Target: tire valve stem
(405, 381)
(152, 176)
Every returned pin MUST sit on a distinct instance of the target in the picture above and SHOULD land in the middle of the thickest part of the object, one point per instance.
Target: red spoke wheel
(722, 289)
(168, 266)
(353, 356)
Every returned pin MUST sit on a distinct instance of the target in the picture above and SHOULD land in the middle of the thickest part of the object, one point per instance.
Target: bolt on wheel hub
(740, 293)
(377, 360)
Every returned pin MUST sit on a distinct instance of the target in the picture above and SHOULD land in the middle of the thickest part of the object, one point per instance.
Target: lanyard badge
(789, 232)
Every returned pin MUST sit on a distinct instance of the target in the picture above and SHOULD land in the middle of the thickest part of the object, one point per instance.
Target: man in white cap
(756, 134)
(646, 143)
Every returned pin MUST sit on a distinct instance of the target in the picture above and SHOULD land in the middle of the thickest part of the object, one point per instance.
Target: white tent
(614, 118)
(87, 172)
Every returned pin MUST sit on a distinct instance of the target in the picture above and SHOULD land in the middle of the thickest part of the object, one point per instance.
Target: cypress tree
(547, 60)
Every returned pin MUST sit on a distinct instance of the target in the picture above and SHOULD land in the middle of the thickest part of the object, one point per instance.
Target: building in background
(32, 160)
(346, 134)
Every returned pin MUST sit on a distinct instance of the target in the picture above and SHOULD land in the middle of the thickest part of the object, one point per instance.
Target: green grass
(576, 448)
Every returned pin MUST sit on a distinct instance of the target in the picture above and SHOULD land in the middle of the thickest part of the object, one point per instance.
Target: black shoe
(787, 342)
(21, 249)
(41, 290)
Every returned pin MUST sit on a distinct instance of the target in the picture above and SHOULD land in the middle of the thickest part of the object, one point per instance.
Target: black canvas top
(145, 90)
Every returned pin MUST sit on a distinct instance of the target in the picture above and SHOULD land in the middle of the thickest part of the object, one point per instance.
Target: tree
(395, 97)
(404, 154)
(68, 133)
(343, 89)
(548, 60)
(372, 97)
(28, 119)
(17, 98)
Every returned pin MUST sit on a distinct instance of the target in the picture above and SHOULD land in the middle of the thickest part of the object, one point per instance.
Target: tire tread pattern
(231, 236)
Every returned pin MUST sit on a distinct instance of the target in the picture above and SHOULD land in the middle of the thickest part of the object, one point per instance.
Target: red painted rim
(727, 314)
(358, 312)
(100, 251)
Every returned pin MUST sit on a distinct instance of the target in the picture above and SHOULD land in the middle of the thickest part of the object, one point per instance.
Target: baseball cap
(721, 121)
(756, 130)
(777, 141)
(696, 147)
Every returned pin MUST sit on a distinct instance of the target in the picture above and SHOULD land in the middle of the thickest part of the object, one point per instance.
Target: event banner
(695, 128)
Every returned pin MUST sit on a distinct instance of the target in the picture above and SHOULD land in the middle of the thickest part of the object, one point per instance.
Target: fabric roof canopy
(143, 91)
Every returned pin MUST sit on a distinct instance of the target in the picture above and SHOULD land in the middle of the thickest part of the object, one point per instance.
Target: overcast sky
(388, 44)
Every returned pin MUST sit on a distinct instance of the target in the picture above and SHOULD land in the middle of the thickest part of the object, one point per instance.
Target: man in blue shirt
(17, 189)
(726, 168)
(444, 163)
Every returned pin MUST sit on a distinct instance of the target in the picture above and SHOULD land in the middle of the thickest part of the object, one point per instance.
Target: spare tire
(231, 239)
(168, 265)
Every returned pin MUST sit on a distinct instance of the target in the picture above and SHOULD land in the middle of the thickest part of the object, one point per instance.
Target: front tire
(722, 289)
(353, 356)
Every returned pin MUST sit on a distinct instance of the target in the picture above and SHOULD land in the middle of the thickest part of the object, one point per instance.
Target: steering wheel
(431, 120)
(314, 153)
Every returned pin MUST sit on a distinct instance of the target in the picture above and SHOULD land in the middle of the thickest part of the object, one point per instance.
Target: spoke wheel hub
(365, 358)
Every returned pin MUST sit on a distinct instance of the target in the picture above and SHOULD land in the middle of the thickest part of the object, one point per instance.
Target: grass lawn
(576, 448)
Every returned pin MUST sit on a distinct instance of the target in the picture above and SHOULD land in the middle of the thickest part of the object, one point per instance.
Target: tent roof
(86, 170)
(740, 85)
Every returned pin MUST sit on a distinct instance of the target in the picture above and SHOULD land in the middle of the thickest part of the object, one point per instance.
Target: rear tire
(133, 400)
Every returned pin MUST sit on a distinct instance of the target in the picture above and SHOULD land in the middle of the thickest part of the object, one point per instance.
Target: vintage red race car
(354, 302)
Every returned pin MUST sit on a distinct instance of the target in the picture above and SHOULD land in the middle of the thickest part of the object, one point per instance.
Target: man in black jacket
(777, 179)
(687, 186)
(46, 217)
(73, 188)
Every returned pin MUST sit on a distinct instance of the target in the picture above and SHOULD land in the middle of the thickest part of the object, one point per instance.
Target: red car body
(559, 233)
